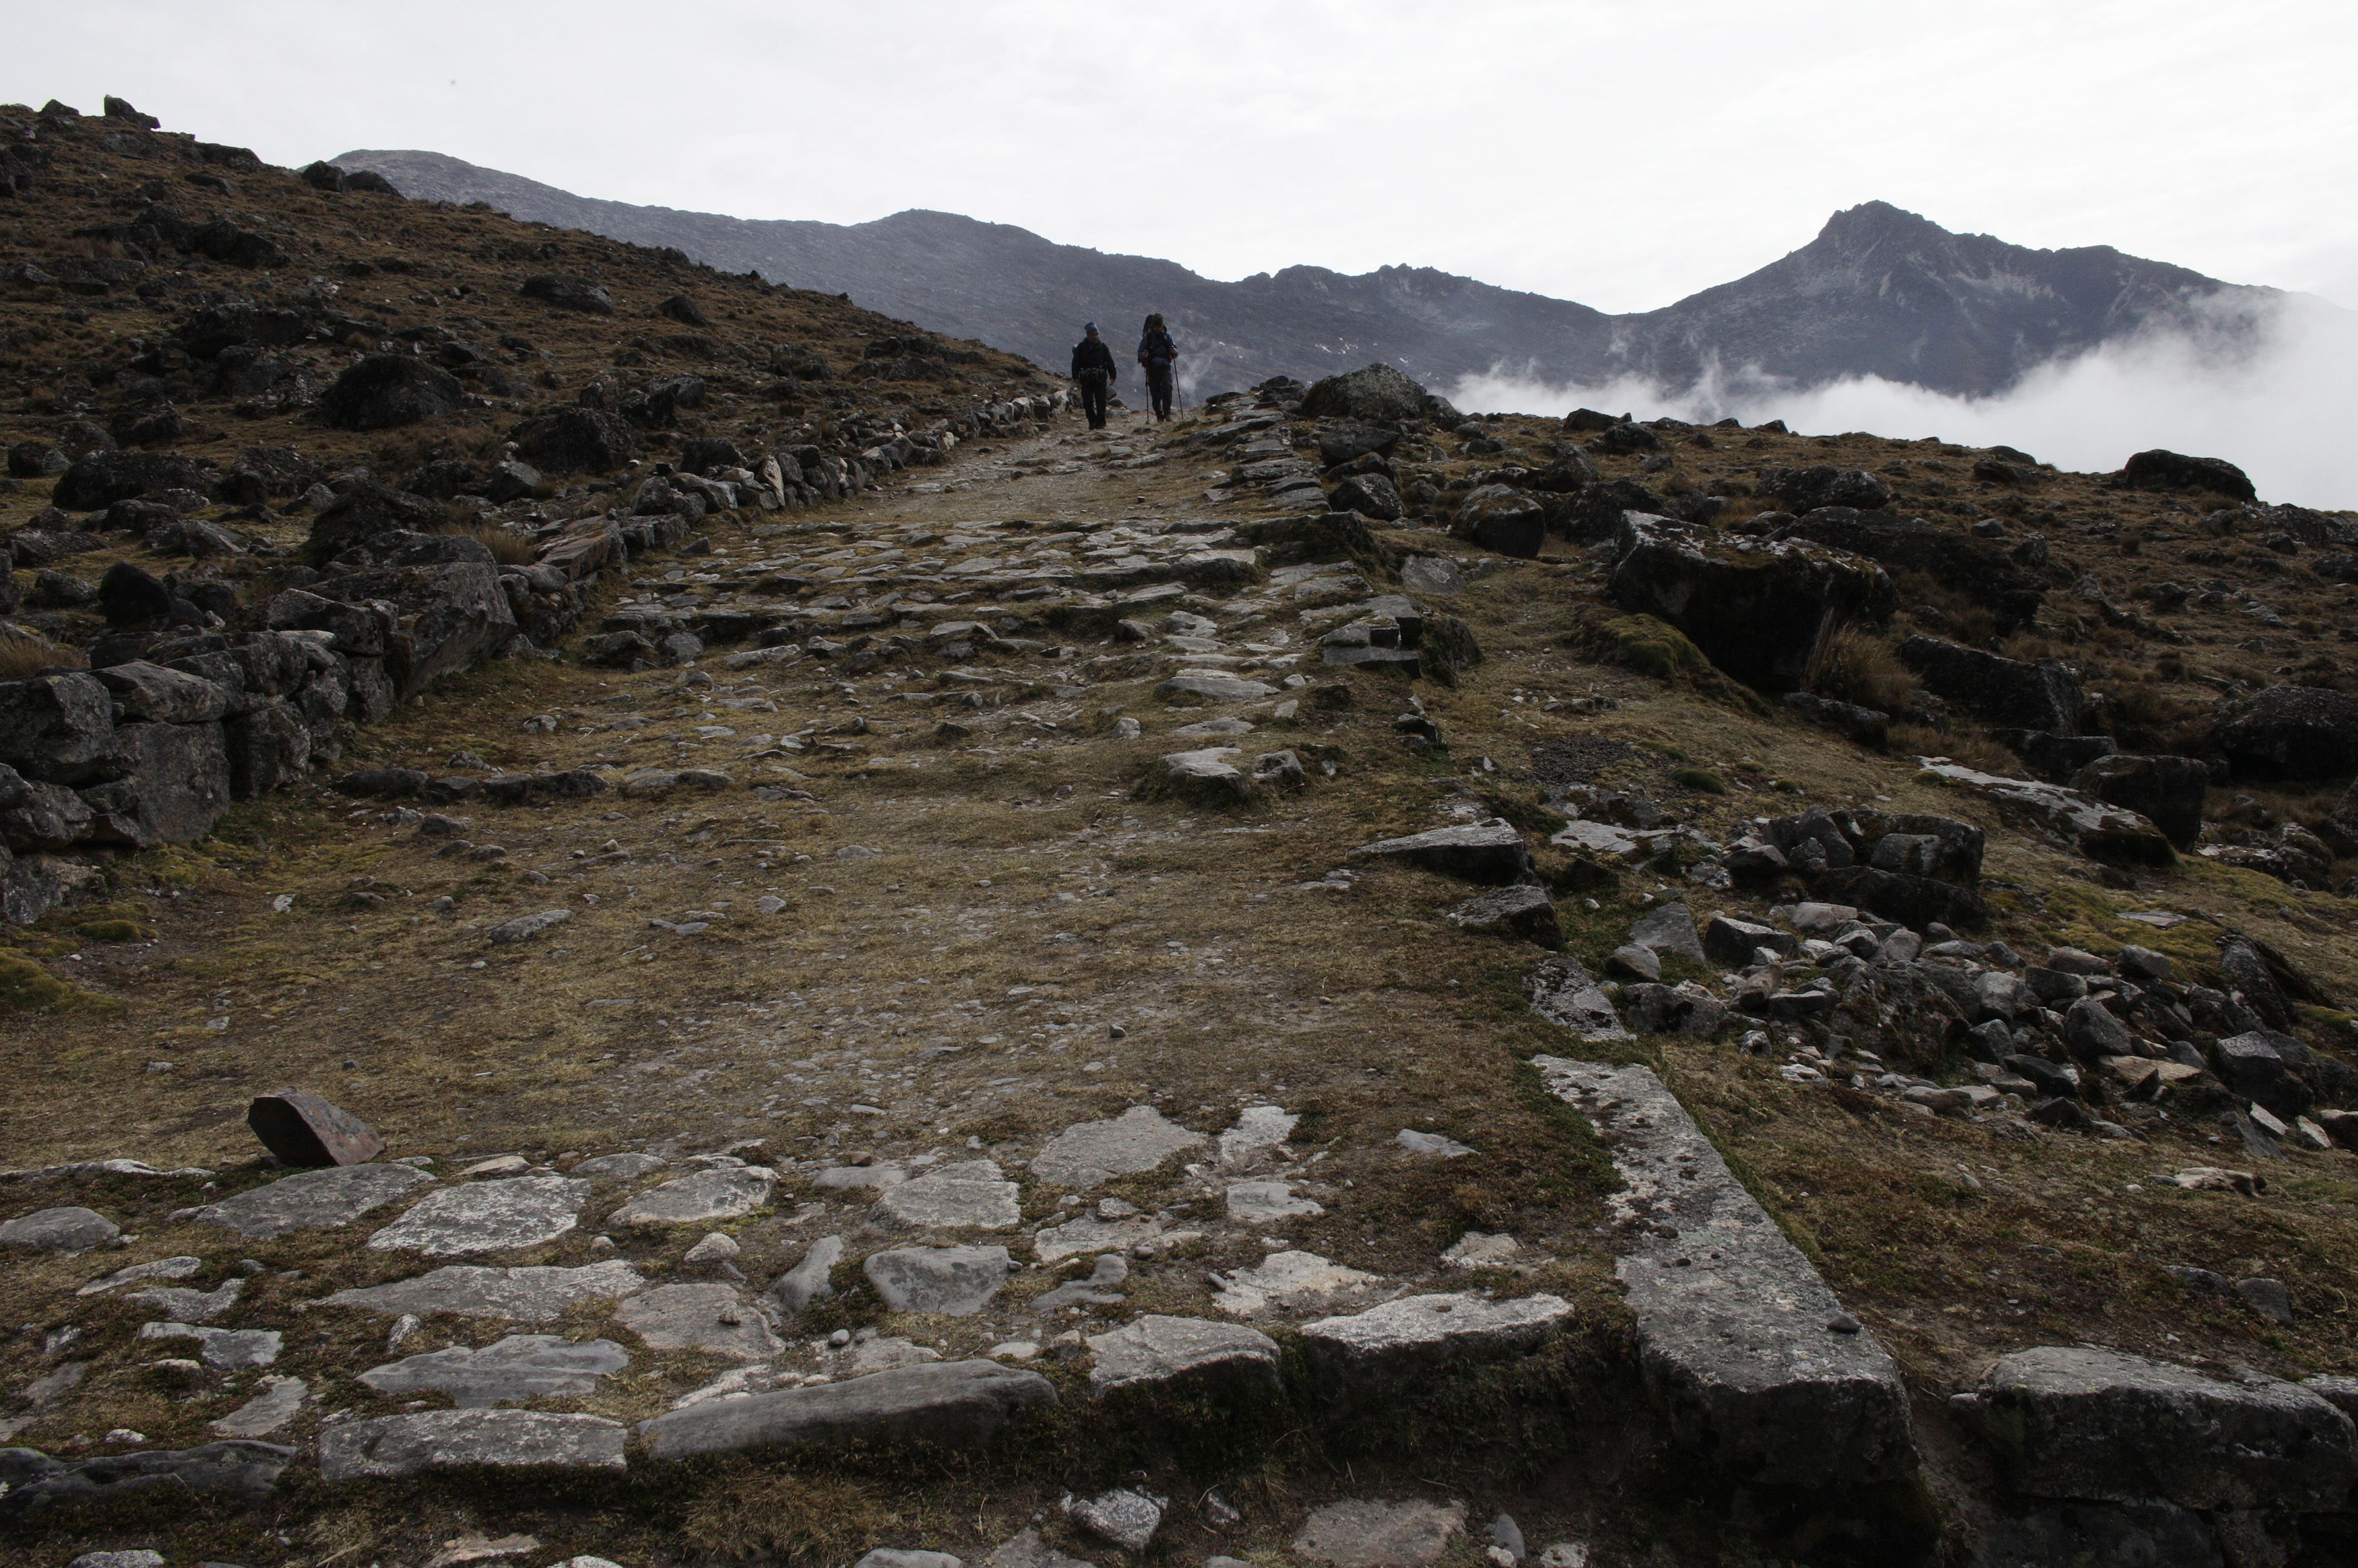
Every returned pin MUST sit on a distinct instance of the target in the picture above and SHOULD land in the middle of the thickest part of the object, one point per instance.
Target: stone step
(1754, 1362)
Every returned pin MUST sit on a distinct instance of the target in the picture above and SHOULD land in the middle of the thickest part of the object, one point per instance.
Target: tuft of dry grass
(22, 655)
(764, 1517)
(508, 548)
(1860, 668)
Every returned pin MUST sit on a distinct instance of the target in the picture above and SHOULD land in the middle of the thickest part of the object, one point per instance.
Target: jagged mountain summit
(1879, 292)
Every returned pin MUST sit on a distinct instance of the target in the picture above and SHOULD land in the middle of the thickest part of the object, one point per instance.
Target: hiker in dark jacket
(1093, 369)
(1157, 352)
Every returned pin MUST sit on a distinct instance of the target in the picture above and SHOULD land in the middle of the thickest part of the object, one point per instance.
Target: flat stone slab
(185, 1305)
(313, 1200)
(1264, 1202)
(67, 1229)
(726, 1194)
(712, 1318)
(244, 1470)
(1122, 1518)
(1491, 852)
(396, 1445)
(626, 1166)
(1028, 1551)
(510, 1371)
(971, 1195)
(1155, 1351)
(487, 1217)
(953, 1281)
(1380, 1535)
(1566, 995)
(1752, 1357)
(952, 1405)
(1091, 1152)
(809, 1280)
(179, 1268)
(1284, 1280)
(228, 1348)
(2072, 1421)
(1089, 1234)
(1257, 1127)
(517, 1295)
(1419, 1334)
(1668, 928)
(893, 1557)
(280, 1400)
(1212, 688)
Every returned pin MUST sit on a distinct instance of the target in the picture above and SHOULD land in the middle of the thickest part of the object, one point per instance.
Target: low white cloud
(2272, 392)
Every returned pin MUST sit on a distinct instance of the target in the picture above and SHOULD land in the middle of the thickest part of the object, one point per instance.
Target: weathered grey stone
(510, 1371)
(1087, 1232)
(301, 1128)
(1380, 1535)
(313, 1200)
(1155, 1352)
(1522, 910)
(280, 1400)
(1125, 1517)
(953, 1281)
(34, 1482)
(1565, 994)
(68, 1229)
(227, 1349)
(1257, 1127)
(1433, 1145)
(952, 1405)
(1668, 928)
(1491, 852)
(891, 1557)
(487, 1217)
(1028, 1551)
(396, 1445)
(807, 1281)
(1212, 688)
(2073, 1421)
(1432, 574)
(1262, 1203)
(725, 1193)
(1091, 1152)
(625, 1166)
(192, 1306)
(517, 1295)
(1285, 1279)
(1752, 1357)
(970, 1195)
(1098, 1290)
(137, 1557)
(1727, 940)
(1208, 774)
(179, 1268)
(524, 927)
(1417, 1335)
(714, 1318)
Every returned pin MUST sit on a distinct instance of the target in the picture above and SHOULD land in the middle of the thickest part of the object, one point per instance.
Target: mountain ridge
(1878, 292)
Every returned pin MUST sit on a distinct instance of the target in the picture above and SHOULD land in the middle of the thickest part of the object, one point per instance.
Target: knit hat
(1089, 329)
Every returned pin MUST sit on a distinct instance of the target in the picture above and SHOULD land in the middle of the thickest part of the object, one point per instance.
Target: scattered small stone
(1380, 1535)
(1430, 1144)
(719, 1247)
(1127, 1519)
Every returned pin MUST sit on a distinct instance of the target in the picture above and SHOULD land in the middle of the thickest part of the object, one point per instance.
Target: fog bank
(2273, 392)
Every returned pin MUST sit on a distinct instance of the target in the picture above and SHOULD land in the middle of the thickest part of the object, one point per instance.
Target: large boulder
(2022, 696)
(1369, 494)
(2160, 469)
(172, 785)
(56, 727)
(1976, 568)
(1822, 484)
(568, 293)
(1502, 518)
(2290, 731)
(2166, 790)
(101, 478)
(1588, 513)
(365, 517)
(1760, 610)
(1344, 441)
(387, 390)
(455, 614)
(575, 441)
(1379, 392)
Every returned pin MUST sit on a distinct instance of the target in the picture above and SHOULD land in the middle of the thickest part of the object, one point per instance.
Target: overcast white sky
(1615, 152)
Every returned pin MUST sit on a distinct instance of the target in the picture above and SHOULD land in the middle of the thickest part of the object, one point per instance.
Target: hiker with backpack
(1157, 352)
(1093, 370)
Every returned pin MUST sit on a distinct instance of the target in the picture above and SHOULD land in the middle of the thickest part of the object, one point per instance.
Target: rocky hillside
(1878, 292)
(772, 952)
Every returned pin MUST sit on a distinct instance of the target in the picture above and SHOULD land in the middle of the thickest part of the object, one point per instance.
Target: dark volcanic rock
(569, 292)
(1369, 494)
(2044, 696)
(1808, 489)
(1341, 442)
(2160, 469)
(1499, 518)
(1760, 610)
(387, 390)
(1593, 511)
(59, 728)
(301, 1128)
(1976, 568)
(1379, 392)
(365, 516)
(575, 441)
(101, 478)
(2290, 731)
(2166, 790)
(129, 597)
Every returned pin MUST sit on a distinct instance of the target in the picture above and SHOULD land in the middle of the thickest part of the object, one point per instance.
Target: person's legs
(1093, 400)
(1159, 383)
